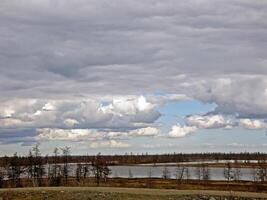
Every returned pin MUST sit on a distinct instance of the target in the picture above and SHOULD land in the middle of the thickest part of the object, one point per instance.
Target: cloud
(243, 96)
(252, 124)
(109, 144)
(93, 134)
(67, 134)
(102, 65)
(181, 131)
(148, 131)
(208, 121)
(86, 50)
(89, 113)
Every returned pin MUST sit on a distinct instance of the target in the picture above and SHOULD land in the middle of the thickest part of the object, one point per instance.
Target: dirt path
(133, 191)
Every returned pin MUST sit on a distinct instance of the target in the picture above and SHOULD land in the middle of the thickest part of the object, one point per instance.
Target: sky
(133, 76)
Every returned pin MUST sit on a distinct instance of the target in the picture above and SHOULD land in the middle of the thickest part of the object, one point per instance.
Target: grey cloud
(212, 51)
(83, 114)
(86, 45)
(242, 96)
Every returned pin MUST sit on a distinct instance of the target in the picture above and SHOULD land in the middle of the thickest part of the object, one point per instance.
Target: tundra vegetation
(63, 169)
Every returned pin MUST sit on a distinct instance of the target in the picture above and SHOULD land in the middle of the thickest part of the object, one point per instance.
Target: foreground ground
(109, 193)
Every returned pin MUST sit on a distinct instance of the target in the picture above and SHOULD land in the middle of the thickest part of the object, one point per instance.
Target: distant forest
(57, 169)
(128, 159)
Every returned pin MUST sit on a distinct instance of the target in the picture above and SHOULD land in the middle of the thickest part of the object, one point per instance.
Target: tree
(1, 179)
(205, 172)
(35, 166)
(259, 174)
(165, 173)
(130, 173)
(237, 174)
(228, 172)
(55, 176)
(86, 171)
(100, 168)
(149, 175)
(181, 172)
(15, 170)
(202, 172)
(82, 172)
(78, 173)
(65, 170)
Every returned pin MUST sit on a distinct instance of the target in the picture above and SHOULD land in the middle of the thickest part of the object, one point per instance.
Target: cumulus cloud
(109, 144)
(181, 131)
(252, 124)
(148, 131)
(243, 96)
(208, 121)
(93, 134)
(74, 53)
(88, 113)
(66, 134)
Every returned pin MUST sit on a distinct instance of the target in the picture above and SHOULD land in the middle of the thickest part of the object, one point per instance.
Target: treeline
(61, 168)
(36, 171)
(202, 172)
(128, 159)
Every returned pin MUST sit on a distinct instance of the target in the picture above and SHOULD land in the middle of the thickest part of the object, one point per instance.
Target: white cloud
(252, 124)
(124, 106)
(208, 121)
(93, 134)
(89, 113)
(148, 131)
(70, 122)
(239, 95)
(181, 131)
(67, 134)
(109, 144)
(48, 107)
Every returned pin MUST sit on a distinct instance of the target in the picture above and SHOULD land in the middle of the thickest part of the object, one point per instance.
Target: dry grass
(110, 193)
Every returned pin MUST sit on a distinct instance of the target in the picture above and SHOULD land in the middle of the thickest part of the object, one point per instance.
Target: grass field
(109, 193)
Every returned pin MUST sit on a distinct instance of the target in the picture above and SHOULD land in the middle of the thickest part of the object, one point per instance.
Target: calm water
(156, 171)
(142, 171)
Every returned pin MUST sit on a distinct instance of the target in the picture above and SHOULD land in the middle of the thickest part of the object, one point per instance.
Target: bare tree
(100, 168)
(15, 170)
(165, 173)
(1, 178)
(202, 172)
(198, 173)
(262, 174)
(149, 175)
(66, 167)
(86, 171)
(180, 172)
(35, 166)
(205, 172)
(55, 176)
(237, 174)
(228, 172)
(130, 173)
(259, 174)
(78, 173)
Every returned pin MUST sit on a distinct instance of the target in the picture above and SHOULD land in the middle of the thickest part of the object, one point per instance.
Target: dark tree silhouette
(15, 170)
(66, 166)
(35, 168)
(100, 168)
(55, 176)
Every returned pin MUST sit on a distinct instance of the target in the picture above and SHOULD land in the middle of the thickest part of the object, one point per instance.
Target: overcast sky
(133, 76)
